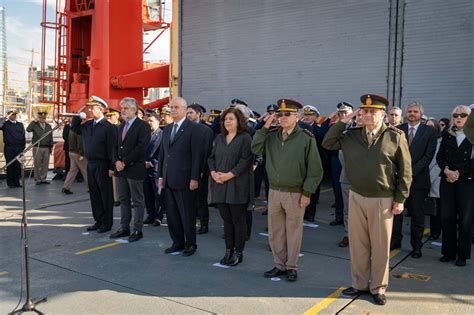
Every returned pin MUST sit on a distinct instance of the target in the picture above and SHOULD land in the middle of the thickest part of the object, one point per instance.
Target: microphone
(82, 115)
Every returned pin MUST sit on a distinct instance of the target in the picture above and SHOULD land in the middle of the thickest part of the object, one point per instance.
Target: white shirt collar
(12, 121)
(98, 120)
(179, 123)
(415, 127)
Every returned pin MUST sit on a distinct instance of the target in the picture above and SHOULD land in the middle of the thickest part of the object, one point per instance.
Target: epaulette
(399, 131)
(273, 130)
(309, 133)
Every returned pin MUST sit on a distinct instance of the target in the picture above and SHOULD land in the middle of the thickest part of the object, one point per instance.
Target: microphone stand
(30, 304)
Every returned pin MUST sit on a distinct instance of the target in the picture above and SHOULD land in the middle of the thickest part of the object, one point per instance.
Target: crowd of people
(174, 163)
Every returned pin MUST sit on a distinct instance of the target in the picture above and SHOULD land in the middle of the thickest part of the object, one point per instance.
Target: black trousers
(457, 207)
(14, 170)
(201, 200)
(235, 227)
(310, 211)
(414, 204)
(435, 220)
(152, 198)
(181, 215)
(101, 193)
(336, 169)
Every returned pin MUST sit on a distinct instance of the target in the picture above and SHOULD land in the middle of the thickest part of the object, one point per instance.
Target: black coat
(153, 153)
(132, 149)
(207, 140)
(182, 159)
(13, 134)
(66, 130)
(422, 151)
(100, 141)
(456, 158)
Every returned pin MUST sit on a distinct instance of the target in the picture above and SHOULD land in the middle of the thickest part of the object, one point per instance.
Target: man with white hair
(179, 172)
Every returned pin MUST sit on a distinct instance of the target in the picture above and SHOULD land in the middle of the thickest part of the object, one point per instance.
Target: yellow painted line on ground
(325, 302)
(394, 253)
(325, 190)
(97, 248)
(3, 273)
(426, 231)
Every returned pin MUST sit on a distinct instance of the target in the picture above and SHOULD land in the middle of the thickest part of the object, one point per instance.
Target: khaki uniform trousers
(285, 228)
(41, 162)
(370, 229)
(76, 166)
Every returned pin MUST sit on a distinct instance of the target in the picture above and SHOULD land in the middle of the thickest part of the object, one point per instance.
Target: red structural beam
(154, 77)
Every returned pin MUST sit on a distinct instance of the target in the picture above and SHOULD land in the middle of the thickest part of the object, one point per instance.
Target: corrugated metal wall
(322, 51)
(438, 54)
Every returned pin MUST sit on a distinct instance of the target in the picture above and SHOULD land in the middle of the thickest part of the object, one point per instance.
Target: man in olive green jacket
(294, 171)
(378, 166)
(41, 152)
(469, 126)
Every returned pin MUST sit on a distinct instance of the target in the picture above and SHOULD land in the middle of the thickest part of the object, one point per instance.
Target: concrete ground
(138, 278)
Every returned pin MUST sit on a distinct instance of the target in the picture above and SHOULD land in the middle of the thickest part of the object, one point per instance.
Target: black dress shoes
(156, 223)
(353, 292)
(45, 182)
(189, 250)
(379, 299)
(136, 235)
(308, 218)
(395, 245)
(203, 229)
(67, 191)
(265, 212)
(116, 203)
(445, 258)
(291, 275)
(236, 259)
(337, 222)
(433, 237)
(275, 272)
(104, 229)
(120, 233)
(416, 253)
(460, 262)
(149, 220)
(228, 254)
(344, 242)
(174, 248)
(93, 227)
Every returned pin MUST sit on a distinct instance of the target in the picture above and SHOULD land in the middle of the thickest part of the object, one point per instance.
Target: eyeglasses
(462, 115)
(283, 114)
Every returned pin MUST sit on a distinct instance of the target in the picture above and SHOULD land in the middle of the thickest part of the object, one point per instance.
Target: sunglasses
(462, 115)
(283, 114)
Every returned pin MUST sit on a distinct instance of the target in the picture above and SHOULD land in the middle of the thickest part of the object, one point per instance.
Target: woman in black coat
(456, 161)
(230, 165)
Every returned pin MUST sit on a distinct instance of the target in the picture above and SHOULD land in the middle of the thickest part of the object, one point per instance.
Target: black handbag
(429, 206)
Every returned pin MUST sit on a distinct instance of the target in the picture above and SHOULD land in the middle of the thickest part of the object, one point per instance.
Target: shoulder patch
(395, 129)
(309, 133)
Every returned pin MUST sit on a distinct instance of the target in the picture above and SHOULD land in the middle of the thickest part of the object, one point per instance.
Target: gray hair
(130, 101)
(415, 104)
(245, 111)
(181, 101)
(395, 108)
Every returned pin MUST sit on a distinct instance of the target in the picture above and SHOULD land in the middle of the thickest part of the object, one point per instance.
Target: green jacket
(469, 127)
(38, 132)
(381, 170)
(293, 165)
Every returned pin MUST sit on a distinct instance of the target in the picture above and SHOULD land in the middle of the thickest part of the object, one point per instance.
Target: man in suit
(194, 113)
(129, 161)
(100, 140)
(422, 141)
(15, 141)
(179, 174)
(152, 195)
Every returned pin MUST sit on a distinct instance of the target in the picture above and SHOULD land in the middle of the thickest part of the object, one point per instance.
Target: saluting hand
(397, 208)
(350, 117)
(269, 120)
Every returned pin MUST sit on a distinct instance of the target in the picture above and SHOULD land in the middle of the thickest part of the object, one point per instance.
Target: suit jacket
(132, 149)
(422, 151)
(66, 130)
(153, 153)
(456, 158)
(181, 159)
(207, 140)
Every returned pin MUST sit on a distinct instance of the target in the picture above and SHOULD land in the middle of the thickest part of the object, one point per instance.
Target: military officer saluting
(14, 140)
(378, 166)
(294, 171)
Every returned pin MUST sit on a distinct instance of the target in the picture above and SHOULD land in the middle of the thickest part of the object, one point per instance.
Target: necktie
(284, 135)
(411, 135)
(95, 123)
(125, 130)
(173, 132)
(370, 137)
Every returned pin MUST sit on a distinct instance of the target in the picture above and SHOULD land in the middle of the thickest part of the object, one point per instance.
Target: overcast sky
(23, 18)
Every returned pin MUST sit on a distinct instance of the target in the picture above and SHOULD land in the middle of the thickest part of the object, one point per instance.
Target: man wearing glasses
(294, 171)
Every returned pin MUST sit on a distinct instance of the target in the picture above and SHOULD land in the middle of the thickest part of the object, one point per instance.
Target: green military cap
(373, 101)
(96, 101)
(288, 105)
(112, 111)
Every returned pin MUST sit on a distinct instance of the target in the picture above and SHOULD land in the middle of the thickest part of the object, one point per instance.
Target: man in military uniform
(294, 171)
(113, 116)
(166, 118)
(14, 140)
(378, 166)
(43, 149)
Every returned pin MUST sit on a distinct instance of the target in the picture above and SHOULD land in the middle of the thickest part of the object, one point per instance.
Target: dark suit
(150, 186)
(203, 190)
(15, 141)
(100, 141)
(457, 200)
(422, 151)
(181, 161)
(67, 160)
(131, 150)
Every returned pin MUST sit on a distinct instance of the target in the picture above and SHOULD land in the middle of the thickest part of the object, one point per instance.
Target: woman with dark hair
(456, 161)
(230, 165)
(433, 200)
(443, 123)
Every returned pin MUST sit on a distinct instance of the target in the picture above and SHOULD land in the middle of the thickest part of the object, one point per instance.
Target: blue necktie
(173, 132)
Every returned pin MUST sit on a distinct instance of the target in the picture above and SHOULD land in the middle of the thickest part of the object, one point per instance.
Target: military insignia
(283, 104)
(368, 101)
(309, 133)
